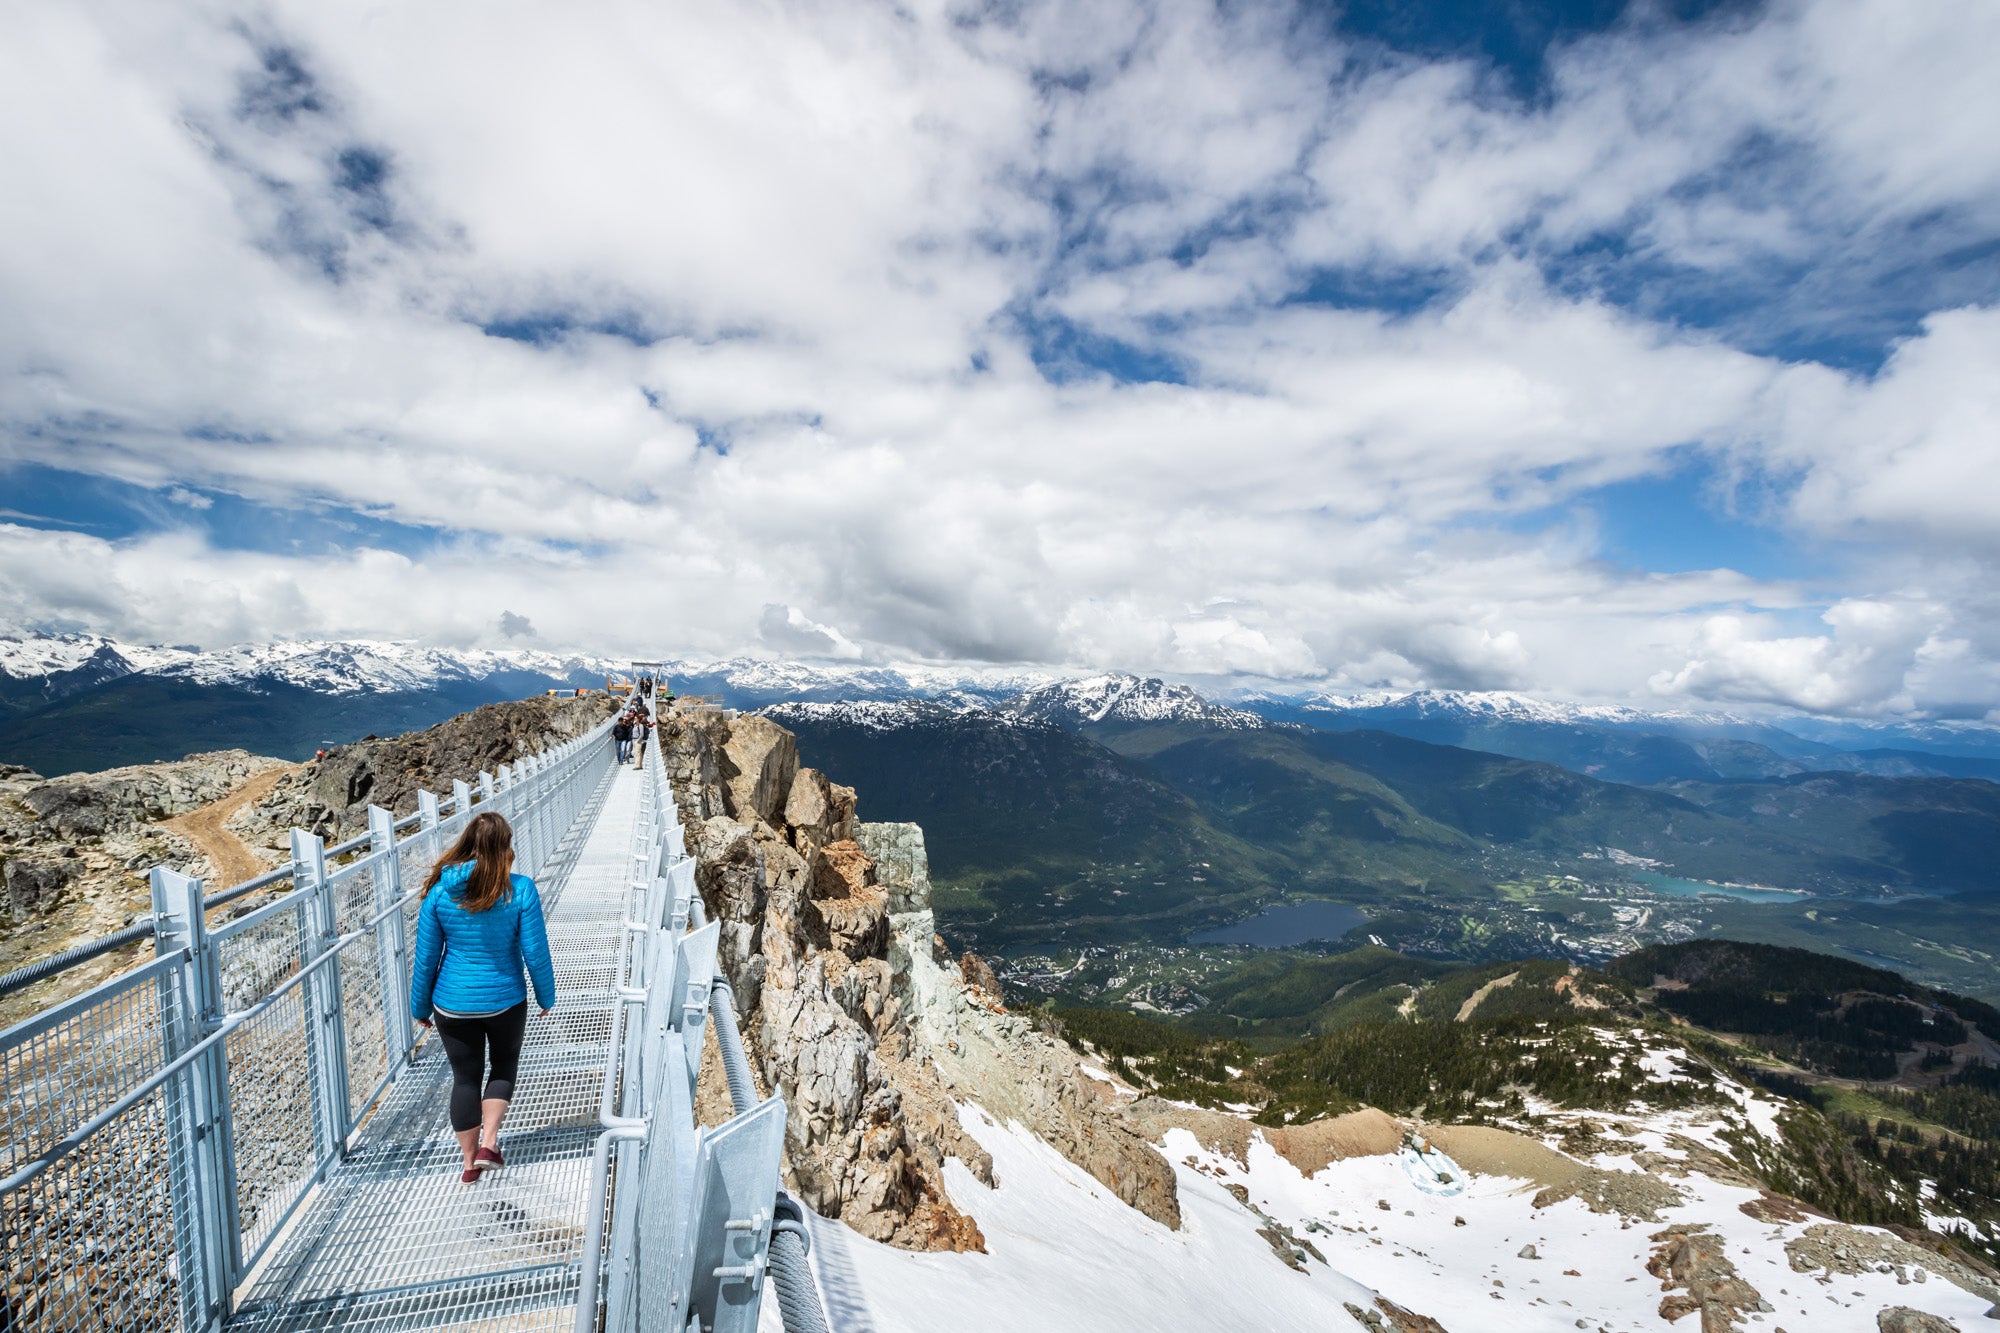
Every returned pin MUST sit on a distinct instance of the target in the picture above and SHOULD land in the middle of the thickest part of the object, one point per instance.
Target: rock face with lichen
(852, 1008)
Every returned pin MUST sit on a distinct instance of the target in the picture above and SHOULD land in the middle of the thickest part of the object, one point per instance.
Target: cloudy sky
(1642, 353)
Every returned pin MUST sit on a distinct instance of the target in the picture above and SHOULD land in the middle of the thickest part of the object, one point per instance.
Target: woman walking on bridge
(480, 927)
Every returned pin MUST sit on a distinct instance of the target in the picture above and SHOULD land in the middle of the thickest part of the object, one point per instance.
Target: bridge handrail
(696, 1217)
(272, 1034)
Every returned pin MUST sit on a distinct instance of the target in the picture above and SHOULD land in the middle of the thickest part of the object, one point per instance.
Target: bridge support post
(201, 1158)
(326, 1047)
(392, 944)
(729, 1220)
(427, 820)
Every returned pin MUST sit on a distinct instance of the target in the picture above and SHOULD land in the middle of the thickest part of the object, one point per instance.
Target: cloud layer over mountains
(1172, 337)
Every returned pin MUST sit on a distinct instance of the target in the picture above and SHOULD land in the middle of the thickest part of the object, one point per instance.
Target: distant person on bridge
(642, 726)
(622, 733)
(480, 927)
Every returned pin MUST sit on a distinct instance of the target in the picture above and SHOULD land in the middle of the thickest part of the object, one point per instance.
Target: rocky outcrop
(90, 805)
(902, 866)
(330, 796)
(1833, 1247)
(75, 851)
(853, 1011)
(758, 763)
(1017, 1072)
(818, 812)
(1694, 1269)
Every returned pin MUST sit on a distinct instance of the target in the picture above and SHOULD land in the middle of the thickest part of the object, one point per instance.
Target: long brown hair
(488, 841)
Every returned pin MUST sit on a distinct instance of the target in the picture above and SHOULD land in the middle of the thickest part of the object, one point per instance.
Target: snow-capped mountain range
(1500, 705)
(1068, 704)
(39, 672)
(386, 666)
(357, 667)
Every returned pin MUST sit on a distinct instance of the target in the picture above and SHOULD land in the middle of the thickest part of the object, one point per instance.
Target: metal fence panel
(90, 1243)
(64, 1066)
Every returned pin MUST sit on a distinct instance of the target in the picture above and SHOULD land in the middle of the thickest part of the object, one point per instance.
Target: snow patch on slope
(1064, 1253)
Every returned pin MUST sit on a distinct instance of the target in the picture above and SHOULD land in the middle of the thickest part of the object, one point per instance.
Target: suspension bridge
(248, 1132)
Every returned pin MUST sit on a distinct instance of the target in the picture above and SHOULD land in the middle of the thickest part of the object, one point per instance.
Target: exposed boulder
(855, 907)
(977, 973)
(1902, 1319)
(1694, 1268)
(758, 765)
(31, 884)
(818, 812)
(1834, 1247)
(902, 866)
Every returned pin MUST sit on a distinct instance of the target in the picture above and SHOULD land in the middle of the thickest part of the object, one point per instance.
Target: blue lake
(1694, 888)
(1278, 927)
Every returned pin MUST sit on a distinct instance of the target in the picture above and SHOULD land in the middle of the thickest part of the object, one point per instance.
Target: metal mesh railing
(275, 1107)
(91, 1242)
(687, 1215)
(158, 1132)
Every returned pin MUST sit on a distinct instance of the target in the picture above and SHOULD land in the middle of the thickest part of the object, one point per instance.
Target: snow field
(1065, 1254)
(1415, 1254)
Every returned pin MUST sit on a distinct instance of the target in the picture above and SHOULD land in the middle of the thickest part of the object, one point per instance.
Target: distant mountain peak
(1118, 697)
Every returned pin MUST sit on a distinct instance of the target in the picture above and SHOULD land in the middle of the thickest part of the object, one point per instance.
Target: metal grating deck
(391, 1240)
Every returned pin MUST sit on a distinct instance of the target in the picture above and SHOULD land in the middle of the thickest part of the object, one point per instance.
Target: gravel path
(229, 857)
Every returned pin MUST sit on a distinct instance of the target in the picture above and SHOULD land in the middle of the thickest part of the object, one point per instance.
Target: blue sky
(1612, 351)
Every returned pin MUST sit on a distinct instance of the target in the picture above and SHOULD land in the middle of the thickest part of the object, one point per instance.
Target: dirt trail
(229, 857)
(1471, 1005)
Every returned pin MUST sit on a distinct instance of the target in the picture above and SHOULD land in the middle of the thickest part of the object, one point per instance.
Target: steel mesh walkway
(391, 1240)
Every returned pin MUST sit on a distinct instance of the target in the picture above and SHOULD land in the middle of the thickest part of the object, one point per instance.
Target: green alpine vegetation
(1661, 1029)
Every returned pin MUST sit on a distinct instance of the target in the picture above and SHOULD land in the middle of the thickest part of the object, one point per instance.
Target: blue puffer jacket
(470, 962)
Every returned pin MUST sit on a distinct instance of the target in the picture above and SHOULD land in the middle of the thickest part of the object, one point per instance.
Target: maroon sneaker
(487, 1159)
(469, 1176)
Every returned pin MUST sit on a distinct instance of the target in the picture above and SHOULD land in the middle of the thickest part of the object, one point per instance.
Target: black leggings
(469, 1043)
